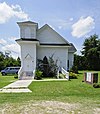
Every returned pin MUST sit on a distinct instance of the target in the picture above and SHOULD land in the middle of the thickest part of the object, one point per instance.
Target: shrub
(95, 85)
(72, 75)
(16, 76)
(38, 75)
(61, 76)
(48, 66)
(74, 69)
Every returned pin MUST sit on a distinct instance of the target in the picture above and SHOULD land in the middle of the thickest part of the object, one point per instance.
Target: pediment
(48, 35)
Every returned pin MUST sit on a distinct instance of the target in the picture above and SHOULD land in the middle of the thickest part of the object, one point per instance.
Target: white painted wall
(49, 36)
(28, 31)
(60, 53)
(71, 59)
(28, 49)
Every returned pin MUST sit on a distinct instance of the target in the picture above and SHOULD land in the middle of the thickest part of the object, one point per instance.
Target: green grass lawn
(5, 80)
(74, 91)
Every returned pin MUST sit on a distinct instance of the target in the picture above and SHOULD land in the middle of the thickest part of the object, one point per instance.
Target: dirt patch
(97, 111)
(44, 107)
(41, 107)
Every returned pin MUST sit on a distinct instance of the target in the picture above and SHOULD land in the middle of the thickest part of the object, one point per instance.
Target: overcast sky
(73, 19)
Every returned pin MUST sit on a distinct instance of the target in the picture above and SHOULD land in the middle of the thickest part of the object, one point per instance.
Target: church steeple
(28, 43)
(28, 29)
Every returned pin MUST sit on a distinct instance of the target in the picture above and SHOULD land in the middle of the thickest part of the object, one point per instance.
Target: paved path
(18, 86)
(22, 86)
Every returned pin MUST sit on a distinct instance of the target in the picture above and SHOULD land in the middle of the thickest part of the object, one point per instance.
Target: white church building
(35, 43)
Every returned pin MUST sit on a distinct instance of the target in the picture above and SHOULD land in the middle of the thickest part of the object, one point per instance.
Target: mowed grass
(74, 91)
(5, 80)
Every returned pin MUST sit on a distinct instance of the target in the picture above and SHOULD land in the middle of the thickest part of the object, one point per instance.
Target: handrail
(66, 73)
(20, 72)
(33, 73)
(58, 74)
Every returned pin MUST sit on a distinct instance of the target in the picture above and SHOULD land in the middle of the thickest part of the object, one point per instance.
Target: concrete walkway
(17, 87)
(20, 86)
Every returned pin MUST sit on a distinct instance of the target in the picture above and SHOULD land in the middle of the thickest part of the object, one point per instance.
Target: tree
(80, 62)
(18, 62)
(91, 52)
(53, 68)
(1, 61)
(48, 66)
(8, 61)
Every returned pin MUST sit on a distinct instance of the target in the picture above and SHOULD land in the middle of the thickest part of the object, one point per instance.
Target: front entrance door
(28, 63)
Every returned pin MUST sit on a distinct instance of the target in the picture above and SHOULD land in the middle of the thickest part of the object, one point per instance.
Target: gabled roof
(72, 48)
(56, 39)
(47, 26)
